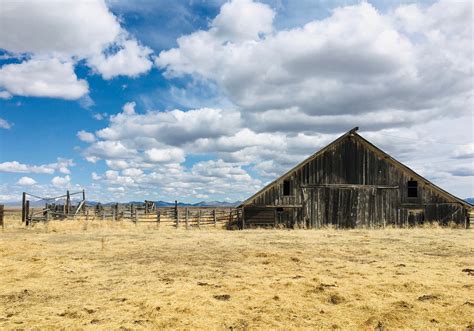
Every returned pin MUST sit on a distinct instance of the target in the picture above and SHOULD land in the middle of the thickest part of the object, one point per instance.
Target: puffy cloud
(62, 165)
(15, 166)
(82, 28)
(43, 78)
(53, 36)
(108, 149)
(167, 155)
(4, 124)
(131, 60)
(174, 127)
(61, 181)
(26, 181)
(86, 136)
(243, 20)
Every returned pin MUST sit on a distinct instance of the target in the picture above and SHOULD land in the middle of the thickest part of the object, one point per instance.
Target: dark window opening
(286, 187)
(280, 210)
(412, 189)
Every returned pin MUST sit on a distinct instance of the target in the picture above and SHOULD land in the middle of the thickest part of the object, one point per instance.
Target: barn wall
(350, 185)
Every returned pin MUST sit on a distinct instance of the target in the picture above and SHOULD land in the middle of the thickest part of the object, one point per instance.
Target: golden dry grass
(108, 275)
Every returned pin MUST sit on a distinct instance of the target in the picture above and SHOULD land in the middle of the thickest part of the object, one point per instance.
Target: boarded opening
(412, 187)
(286, 187)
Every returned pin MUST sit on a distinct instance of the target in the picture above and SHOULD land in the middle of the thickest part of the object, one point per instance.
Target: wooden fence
(178, 217)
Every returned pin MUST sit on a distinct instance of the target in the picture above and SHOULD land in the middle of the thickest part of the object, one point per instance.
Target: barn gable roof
(373, 148)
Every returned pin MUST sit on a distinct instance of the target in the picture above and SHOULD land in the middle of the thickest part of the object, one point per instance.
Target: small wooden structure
(349, 184)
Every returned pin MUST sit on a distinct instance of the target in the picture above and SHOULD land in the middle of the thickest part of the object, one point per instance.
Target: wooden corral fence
(147, 212)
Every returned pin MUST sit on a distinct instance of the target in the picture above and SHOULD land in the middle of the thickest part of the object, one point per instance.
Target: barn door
(350, 207)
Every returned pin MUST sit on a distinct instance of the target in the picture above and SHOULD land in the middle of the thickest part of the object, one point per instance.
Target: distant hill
(470, 200)
(199, 204)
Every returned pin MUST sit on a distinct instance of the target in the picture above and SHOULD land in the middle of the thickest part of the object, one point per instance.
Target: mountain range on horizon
(159, 203)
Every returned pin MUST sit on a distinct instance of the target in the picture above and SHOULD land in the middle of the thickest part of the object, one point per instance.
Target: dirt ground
(116, 275)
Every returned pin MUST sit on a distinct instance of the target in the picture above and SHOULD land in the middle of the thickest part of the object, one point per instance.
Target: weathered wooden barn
(349, 184)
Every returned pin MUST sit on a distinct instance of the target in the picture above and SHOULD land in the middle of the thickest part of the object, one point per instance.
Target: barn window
(286, 187)
(412, 187)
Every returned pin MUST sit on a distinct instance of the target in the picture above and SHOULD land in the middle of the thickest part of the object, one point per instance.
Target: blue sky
(209, 100)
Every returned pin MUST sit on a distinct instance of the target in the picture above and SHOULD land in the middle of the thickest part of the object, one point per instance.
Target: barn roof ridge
(377, 150)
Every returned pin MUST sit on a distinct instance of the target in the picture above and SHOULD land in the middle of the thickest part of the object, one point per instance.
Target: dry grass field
(105, 275)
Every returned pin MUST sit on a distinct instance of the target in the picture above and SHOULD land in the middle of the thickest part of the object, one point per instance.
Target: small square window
(286, 187)
(412, 189)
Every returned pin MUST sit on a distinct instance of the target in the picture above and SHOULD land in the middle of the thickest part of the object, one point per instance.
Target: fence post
(23, 204)
(135, 218)
(215, 218)
(187, 217)
(27, 211)
(1, 217)
(199, 219)
(158, 217)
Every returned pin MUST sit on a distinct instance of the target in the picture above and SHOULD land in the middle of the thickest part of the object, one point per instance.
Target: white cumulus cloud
(61, 181)
(43, 78)
(86, 136)
(26, 181)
